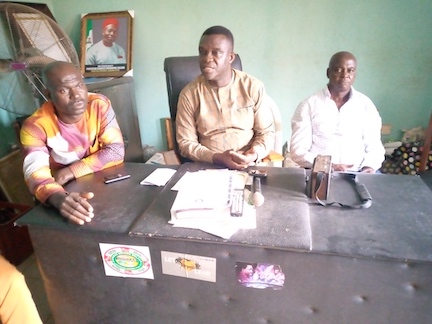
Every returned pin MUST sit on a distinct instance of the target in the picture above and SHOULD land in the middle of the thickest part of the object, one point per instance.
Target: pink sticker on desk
(260, 275)
(126, 261)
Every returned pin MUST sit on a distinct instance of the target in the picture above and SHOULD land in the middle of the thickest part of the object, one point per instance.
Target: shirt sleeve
(264, 128)
(374, 149)
(301, 137)
(90, 57)
(36, 164)
(186, 132)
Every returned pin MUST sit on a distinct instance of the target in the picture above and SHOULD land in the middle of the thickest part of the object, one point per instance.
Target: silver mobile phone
(116, 177)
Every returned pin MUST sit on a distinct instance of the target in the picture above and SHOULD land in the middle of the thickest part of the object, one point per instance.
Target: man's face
(249, 270)
(109, 35)
(341, 73)
(68, 93)
(215, 57)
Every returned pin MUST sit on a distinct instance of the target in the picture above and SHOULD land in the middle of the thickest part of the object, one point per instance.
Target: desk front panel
(318, 288)
(354, 271)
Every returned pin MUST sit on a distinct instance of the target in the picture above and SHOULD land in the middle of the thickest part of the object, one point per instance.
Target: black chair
(179, 71)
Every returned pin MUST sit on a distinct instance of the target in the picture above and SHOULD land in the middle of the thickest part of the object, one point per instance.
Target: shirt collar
(328, 94)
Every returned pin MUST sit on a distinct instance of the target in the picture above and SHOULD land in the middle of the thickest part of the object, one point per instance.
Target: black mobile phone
(116, 177)
(258, 173)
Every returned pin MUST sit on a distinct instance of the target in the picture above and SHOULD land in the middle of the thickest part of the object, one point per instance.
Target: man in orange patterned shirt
(74, 134)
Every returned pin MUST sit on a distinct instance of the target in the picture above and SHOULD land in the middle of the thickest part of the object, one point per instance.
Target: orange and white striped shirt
(92, 144)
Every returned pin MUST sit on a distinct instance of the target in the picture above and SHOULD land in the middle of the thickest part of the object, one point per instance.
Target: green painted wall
(286, 44)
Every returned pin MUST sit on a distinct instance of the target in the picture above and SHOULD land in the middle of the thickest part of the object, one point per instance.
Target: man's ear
(327, 73)
(232, 57)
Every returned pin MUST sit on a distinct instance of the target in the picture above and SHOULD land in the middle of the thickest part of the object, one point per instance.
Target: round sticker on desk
(126, 260)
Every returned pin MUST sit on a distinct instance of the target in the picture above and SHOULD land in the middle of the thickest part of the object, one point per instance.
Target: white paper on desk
(183, 179)
(227, 226)
(158, 177)
(216, 221)
(223, 224)
(189, 178)
(223, 227)
(202, 193)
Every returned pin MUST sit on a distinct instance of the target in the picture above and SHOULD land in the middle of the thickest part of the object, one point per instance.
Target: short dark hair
(220, 30)
(52, 68)
(48, 70)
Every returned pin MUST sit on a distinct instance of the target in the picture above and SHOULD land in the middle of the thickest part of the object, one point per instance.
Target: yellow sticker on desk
(189, 266)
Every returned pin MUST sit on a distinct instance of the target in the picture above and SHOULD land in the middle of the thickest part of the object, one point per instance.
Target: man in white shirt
(338, 121)
(107, 51)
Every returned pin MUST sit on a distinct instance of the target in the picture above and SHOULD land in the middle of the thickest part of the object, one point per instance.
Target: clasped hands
(236, 160)
(74, 205)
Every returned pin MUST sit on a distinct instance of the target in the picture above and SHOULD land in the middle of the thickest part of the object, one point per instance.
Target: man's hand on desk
(234, 160)
(249, 157)
(73, 206)
(345, 167)
(367, 169)
(341, 167)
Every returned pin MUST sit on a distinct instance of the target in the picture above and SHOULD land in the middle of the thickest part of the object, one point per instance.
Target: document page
(202, 191)
(203, 202)
(158, 177)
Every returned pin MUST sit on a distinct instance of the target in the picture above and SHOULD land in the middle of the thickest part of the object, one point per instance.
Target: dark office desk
(341, 266)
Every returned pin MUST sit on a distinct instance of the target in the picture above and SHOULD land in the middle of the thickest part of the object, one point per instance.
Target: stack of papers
(208, 190)
(203, 202)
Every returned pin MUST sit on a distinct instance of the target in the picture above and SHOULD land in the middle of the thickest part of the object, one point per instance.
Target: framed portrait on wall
(106, 44)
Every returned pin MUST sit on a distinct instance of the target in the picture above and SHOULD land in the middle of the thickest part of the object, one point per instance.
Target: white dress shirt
(99, 54)
(351, 134)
